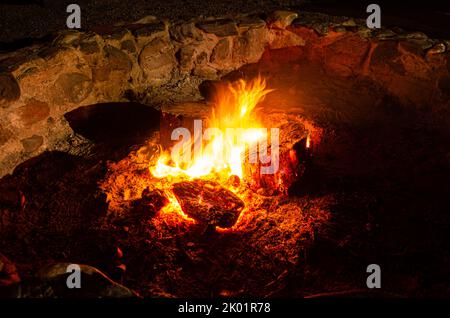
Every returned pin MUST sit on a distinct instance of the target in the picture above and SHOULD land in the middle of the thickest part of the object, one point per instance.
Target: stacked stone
(153, 60)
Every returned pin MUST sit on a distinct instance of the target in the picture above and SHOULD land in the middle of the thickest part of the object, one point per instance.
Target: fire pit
(272, 155)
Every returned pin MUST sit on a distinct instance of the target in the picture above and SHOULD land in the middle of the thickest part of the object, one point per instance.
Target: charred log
(208, 202)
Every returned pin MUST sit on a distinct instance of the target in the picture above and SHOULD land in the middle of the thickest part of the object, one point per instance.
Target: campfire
(216, 175)
(206, 175)
(209, 186)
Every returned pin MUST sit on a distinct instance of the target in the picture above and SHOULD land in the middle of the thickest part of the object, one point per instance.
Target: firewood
(208, 202)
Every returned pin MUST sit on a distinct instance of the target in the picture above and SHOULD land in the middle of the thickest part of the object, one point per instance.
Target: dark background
(22, 21)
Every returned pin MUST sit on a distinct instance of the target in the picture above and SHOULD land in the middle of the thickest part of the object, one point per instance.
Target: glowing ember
(308, 141)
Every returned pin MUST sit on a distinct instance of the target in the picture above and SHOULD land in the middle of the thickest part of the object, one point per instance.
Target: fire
(174, 207)
(232, 127)
(219, 152)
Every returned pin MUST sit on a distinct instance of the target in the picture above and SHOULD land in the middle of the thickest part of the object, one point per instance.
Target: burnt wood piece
(208, 202)
(150, 203)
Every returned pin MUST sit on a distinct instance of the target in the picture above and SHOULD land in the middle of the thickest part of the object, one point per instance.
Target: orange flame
(234, 126)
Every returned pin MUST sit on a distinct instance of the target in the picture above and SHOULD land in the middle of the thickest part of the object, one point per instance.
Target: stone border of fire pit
(153, 61)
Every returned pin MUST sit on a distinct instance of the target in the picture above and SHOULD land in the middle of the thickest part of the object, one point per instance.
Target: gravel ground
(24, 20)
(18, 21)
(27, 19)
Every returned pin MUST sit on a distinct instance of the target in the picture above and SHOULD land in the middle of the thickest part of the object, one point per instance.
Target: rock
(118, 60)
(184, 110)
(384, 34)
(208, 202)
(221, 27)
(282, 19)
(343, 61)
(249, 47)
(365, 32)
(5, 135)
(185, 32)
(202, 58)
(50, 52)
(94, 284)
(186, 57)
(9, 89)
(101, 73)
(143, 30)
(157, 60)
(67, 38)
(321, 28)
(110, 32)
(279, 39)
(308, 34)
(89, 47)
(416, 36)
(58, 76)
(222, 51)
(33, 111)
(128, 46)
(251, 23)
(423, 44)
(72, 87)
(340, 29)
(386, 59)
(205, 71)
(439, 48)
(349, 23)
(32, 143)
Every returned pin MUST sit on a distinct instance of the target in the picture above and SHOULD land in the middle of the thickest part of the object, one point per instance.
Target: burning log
(208, 202)
(296, 139)
(233, 142)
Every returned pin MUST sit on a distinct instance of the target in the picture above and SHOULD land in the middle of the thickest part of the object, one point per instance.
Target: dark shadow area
(431, 17)
(385, 164)
(120, 124)
(52, 206)
(47, 202)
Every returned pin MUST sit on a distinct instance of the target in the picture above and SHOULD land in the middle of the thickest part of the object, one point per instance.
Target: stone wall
(155, 62)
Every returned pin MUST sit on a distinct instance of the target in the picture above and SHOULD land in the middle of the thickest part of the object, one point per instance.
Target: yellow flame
(224, 154)
(173, 210)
